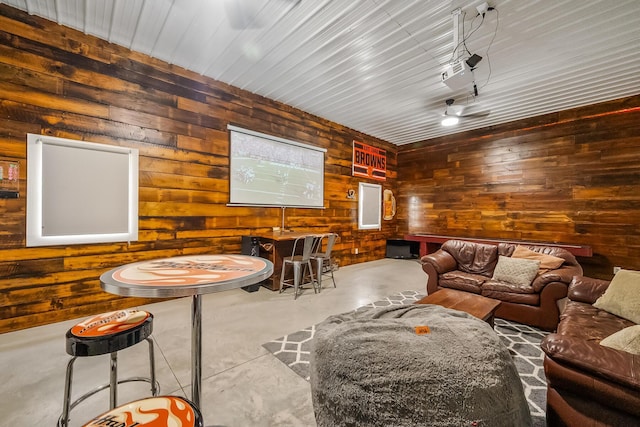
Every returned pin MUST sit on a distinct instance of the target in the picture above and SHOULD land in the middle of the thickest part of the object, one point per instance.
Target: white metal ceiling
(375, 65)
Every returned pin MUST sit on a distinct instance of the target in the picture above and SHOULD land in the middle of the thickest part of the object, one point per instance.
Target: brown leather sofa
(469, 266)
(589, 384)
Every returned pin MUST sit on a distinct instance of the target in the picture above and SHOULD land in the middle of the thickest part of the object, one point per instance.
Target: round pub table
(191, 275)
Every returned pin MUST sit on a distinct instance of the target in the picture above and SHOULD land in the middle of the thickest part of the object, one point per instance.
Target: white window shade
(80, 192)
(369, 206)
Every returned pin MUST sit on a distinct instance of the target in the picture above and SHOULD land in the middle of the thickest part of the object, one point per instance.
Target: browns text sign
(369, 162)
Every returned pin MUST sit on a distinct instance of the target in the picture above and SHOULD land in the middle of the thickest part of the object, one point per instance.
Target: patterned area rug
(522, 341)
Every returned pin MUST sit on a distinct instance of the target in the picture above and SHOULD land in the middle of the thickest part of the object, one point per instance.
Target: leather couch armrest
(586, 289)
(437, 263)
(442, 261)
(614, 365)
(563, 274)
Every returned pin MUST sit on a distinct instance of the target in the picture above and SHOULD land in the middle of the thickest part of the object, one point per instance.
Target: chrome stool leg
(155, 387)
(296, 279)
(64, 418)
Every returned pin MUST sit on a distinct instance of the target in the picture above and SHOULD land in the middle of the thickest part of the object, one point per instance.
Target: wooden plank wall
(569, 177)
(60, 82)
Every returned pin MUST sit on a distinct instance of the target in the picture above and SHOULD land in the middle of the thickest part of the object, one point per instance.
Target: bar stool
(300, 264)
(107, 333)
(324, 264)
(157, 411)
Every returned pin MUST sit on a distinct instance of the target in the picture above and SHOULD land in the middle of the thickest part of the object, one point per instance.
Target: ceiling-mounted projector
(458, 75)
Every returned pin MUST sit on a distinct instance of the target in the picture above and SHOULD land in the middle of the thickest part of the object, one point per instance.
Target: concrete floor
(243, 384)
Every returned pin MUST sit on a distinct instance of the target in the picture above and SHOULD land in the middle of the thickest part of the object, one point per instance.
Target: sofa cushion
(622, 297)
(516, 270)
(496, 285)
(586, 322)
(512, 297)
(585, 362)
(474, 258)
(462, 281)
(547, 262)
(628, 339)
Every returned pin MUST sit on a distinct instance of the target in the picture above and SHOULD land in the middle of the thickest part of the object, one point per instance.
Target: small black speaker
(251, 246)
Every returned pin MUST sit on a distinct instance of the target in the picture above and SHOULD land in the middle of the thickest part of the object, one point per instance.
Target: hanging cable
(486, 54)
(465, 38)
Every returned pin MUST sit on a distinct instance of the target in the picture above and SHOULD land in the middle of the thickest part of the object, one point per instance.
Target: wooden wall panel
(60, 82)
(568, 177)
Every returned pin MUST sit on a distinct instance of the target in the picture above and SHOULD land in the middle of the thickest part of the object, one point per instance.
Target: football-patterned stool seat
(160, 411)
(107, 333)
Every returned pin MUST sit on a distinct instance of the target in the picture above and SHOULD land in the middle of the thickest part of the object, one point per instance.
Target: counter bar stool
(300, 264)
(324, 265)
(157, 411)
(107, 333)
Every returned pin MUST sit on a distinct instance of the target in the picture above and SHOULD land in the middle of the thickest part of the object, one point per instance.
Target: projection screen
(266, 170)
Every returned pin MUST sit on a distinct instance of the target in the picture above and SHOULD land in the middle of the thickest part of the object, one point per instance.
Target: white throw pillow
(517, 271)
(622, 297)
(627, 339)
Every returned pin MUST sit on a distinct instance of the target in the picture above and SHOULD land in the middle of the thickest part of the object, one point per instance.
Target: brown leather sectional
(589, 384)
(469, 266)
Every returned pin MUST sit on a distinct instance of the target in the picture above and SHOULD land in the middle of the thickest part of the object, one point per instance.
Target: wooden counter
(430, 243)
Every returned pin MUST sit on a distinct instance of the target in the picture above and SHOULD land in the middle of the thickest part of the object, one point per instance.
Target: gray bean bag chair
(382, 367)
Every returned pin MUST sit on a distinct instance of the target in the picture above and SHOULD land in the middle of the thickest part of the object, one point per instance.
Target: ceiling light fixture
(450, 121)
(454, 113)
